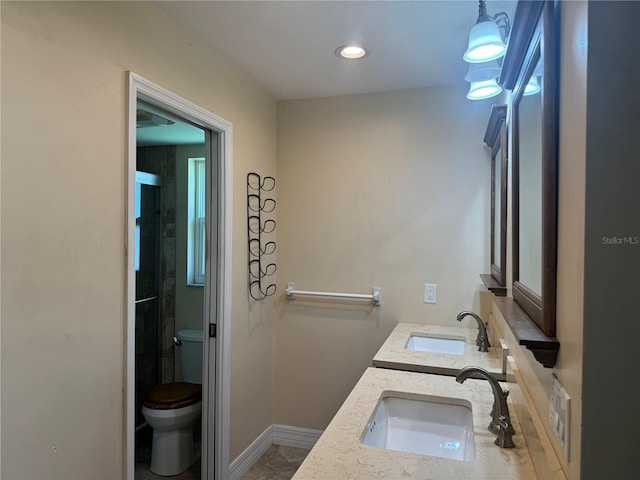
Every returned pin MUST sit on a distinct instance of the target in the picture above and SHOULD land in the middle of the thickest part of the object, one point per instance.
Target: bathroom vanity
(409, 418)
(340, 452)
(396, 352)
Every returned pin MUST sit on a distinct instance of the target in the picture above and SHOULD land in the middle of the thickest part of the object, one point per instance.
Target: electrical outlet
(559, 413)
(430, 293)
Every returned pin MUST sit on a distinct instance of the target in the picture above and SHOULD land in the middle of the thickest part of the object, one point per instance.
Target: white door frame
(215, 399)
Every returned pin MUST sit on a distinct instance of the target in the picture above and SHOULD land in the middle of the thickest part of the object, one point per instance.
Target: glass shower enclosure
(148, 292)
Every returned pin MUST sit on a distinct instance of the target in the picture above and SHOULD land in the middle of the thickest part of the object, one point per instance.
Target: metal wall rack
(257, 228)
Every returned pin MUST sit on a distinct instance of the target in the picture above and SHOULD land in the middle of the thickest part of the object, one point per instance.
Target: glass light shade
(485, 43)
(479, 72)
(484, 89)
(532, 87)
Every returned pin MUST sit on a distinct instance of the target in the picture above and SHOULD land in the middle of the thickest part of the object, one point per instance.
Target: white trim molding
(273, 435)
(251, 455)
(295, 436)
(216, 398)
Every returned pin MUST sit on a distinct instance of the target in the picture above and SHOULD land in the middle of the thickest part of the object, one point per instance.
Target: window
(196, 231)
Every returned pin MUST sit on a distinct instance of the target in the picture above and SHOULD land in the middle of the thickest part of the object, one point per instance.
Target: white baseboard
(250, 455)
(295, 436)
(273, 435)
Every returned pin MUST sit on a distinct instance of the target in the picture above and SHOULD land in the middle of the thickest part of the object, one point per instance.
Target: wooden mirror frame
(534, 34)
(495, 138)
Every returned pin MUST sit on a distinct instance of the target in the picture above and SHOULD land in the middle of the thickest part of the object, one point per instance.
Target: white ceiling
(179, 133)
(288, 46)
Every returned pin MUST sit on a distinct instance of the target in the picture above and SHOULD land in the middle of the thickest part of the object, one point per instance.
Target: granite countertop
(338, 454)
(394, 355)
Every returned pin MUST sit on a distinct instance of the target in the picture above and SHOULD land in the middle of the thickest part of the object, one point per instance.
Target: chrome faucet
(482, 340)
(501, 420)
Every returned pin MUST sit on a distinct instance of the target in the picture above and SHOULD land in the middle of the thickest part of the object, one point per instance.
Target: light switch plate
(560, 413)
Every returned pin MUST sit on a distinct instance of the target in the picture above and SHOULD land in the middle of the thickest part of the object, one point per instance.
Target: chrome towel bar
(374, 296)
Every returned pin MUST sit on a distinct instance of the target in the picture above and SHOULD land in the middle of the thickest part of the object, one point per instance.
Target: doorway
(162, 269)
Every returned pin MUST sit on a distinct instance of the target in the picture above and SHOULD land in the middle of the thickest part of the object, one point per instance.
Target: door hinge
(212, 330)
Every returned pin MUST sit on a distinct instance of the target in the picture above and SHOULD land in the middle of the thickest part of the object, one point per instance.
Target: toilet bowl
(172, 409)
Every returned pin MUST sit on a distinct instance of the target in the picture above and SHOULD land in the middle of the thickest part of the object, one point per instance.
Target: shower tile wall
(161, 160)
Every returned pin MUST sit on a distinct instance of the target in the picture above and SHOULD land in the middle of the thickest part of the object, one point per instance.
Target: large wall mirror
(530, 71)
(495, 138)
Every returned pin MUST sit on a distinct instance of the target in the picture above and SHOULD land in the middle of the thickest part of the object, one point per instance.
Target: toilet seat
(173, 395)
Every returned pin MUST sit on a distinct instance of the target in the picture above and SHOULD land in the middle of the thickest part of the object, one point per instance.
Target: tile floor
(277, 463)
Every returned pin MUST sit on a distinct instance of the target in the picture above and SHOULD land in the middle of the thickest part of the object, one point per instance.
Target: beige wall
(571, 219)
(63, 220)
(384, 190)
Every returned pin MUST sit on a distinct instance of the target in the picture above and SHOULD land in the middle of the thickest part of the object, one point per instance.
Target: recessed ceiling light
(351, 52)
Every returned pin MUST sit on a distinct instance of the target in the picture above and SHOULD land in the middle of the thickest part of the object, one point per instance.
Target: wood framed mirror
(530, 71)
(495, 138)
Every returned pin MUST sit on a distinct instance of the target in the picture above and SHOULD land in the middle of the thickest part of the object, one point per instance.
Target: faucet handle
(482, 340)
(493, 426)
(510, 428)
(505, 433)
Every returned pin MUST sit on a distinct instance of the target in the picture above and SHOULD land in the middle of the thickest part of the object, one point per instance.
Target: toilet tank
(190, 353)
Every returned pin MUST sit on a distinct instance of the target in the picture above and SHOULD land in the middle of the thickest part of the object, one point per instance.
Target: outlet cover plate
(430, 293)
(560, 413)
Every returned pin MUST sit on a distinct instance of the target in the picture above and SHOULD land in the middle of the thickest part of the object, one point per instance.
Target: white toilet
(173, 408)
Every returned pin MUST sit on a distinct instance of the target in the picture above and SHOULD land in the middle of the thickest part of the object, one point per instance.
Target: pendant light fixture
(482, 71)
(487, 44)
(484, 89)
(482, 77)
(533, 85)
(488, 36)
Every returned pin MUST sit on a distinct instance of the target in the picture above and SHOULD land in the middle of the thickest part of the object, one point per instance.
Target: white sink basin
(429, 426)
(435, 344)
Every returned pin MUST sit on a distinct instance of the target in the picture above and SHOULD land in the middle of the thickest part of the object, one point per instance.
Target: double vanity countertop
(394, 355)
(426, 376)
(339, 453)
